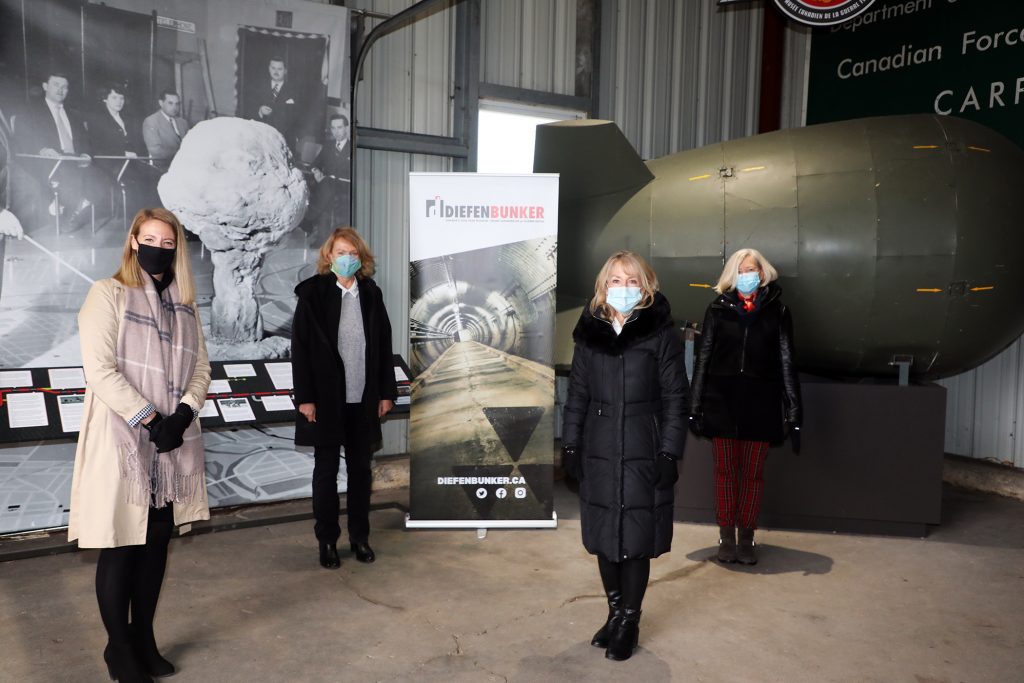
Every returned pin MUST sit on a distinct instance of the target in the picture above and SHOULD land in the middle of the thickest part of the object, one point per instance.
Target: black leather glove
(794, 437)
(167, 434)
(668, 471)
(697, 424)
(148, 426)
(571, 462)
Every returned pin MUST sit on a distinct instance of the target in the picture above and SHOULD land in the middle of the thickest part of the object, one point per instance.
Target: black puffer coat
(317, 371)
(744, 372)
(627, 401)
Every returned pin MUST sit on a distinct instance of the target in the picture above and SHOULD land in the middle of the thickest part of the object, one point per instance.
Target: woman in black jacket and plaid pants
(745, 393)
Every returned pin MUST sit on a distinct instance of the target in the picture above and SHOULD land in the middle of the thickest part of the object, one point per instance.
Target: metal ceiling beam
(412, 143)
(539, 97)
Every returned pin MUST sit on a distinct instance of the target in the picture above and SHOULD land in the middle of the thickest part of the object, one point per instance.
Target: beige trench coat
(101, 516)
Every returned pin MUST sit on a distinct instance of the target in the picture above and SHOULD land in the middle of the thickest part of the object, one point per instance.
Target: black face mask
(154, 260)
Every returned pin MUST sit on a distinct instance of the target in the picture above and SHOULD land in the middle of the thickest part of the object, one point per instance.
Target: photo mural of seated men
(163, 129)
(47, 128)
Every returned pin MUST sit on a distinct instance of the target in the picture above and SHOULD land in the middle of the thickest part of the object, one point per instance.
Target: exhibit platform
(871, 462)
(253, 605)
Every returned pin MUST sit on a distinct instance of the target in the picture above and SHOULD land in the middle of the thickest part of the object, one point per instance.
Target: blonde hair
(635, 266)
(369, 264)
(727, 280)
(130, 272)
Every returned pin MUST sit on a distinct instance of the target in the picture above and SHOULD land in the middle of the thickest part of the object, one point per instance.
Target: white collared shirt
(352, 291)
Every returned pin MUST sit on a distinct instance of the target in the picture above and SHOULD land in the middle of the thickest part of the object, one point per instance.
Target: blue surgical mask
(747, 282)
(624, 299)
(346, 265)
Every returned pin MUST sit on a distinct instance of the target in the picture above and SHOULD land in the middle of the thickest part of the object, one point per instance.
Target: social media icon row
(519, 492)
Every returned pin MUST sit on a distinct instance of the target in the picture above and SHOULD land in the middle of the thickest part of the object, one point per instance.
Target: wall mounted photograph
(233, 114)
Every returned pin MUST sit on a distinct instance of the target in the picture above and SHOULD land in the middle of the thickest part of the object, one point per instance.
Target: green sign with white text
(955, 57)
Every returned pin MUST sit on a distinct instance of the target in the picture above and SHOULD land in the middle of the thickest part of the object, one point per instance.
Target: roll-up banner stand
(481, 434)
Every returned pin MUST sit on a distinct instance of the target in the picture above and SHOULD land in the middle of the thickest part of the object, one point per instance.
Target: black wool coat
(745, 382)
(626, 404)
(317, 371)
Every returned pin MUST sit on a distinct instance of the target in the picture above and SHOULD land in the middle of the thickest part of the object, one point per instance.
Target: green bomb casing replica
(893, 236)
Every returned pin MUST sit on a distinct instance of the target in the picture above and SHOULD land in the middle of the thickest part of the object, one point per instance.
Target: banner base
(482, 523)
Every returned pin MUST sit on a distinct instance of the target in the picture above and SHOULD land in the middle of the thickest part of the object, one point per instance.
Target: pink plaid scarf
(157, 344)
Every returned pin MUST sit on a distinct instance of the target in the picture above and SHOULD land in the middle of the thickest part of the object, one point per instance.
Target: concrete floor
(253, 605)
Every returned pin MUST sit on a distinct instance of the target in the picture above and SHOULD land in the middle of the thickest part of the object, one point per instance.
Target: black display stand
(871, 462)
(251, 389)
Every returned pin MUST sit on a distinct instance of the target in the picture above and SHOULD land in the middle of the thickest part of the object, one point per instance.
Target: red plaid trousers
(738, 464)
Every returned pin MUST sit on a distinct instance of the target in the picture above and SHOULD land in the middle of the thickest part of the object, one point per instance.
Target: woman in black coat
(745, 393)
(344, 379)
(113, 133)
(623, 434)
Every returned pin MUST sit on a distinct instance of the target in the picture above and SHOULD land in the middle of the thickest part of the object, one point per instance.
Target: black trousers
(358, 468)
(128, 578)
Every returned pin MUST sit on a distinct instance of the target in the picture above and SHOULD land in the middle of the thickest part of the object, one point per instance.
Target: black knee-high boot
(611, 580)
(626, 634)
(146, 584)
(114, 571)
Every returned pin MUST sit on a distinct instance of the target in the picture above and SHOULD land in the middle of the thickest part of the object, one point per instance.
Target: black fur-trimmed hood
(642, 324)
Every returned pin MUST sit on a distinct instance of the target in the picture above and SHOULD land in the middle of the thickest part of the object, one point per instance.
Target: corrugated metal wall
(984, 407)
(678, 75)
(796, 59)
(529, 44)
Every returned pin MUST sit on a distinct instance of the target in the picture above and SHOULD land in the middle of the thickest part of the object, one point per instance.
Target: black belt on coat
(628, 410)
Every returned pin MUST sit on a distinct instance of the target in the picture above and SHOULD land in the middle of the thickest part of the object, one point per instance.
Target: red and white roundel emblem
(822, 12)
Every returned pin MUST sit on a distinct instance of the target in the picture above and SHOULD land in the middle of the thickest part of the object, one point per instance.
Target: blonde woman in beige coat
(140, 466)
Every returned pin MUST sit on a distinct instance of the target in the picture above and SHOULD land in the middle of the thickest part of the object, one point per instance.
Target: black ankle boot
(726, 544)
(745, 553)
(153, 663)
(625, 636)
(603, 634)
(123, 664)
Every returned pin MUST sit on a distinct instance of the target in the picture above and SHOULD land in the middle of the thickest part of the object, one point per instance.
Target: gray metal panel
(985, 410)
(796, 58)
(407, 84)
(383, 218)
(679, 75)
(529, 44)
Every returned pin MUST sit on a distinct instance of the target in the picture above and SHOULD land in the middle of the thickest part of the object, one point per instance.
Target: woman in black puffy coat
(623, 434)
(745, 393)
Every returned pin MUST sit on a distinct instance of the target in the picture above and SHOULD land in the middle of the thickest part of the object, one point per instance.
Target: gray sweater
(352, 344)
